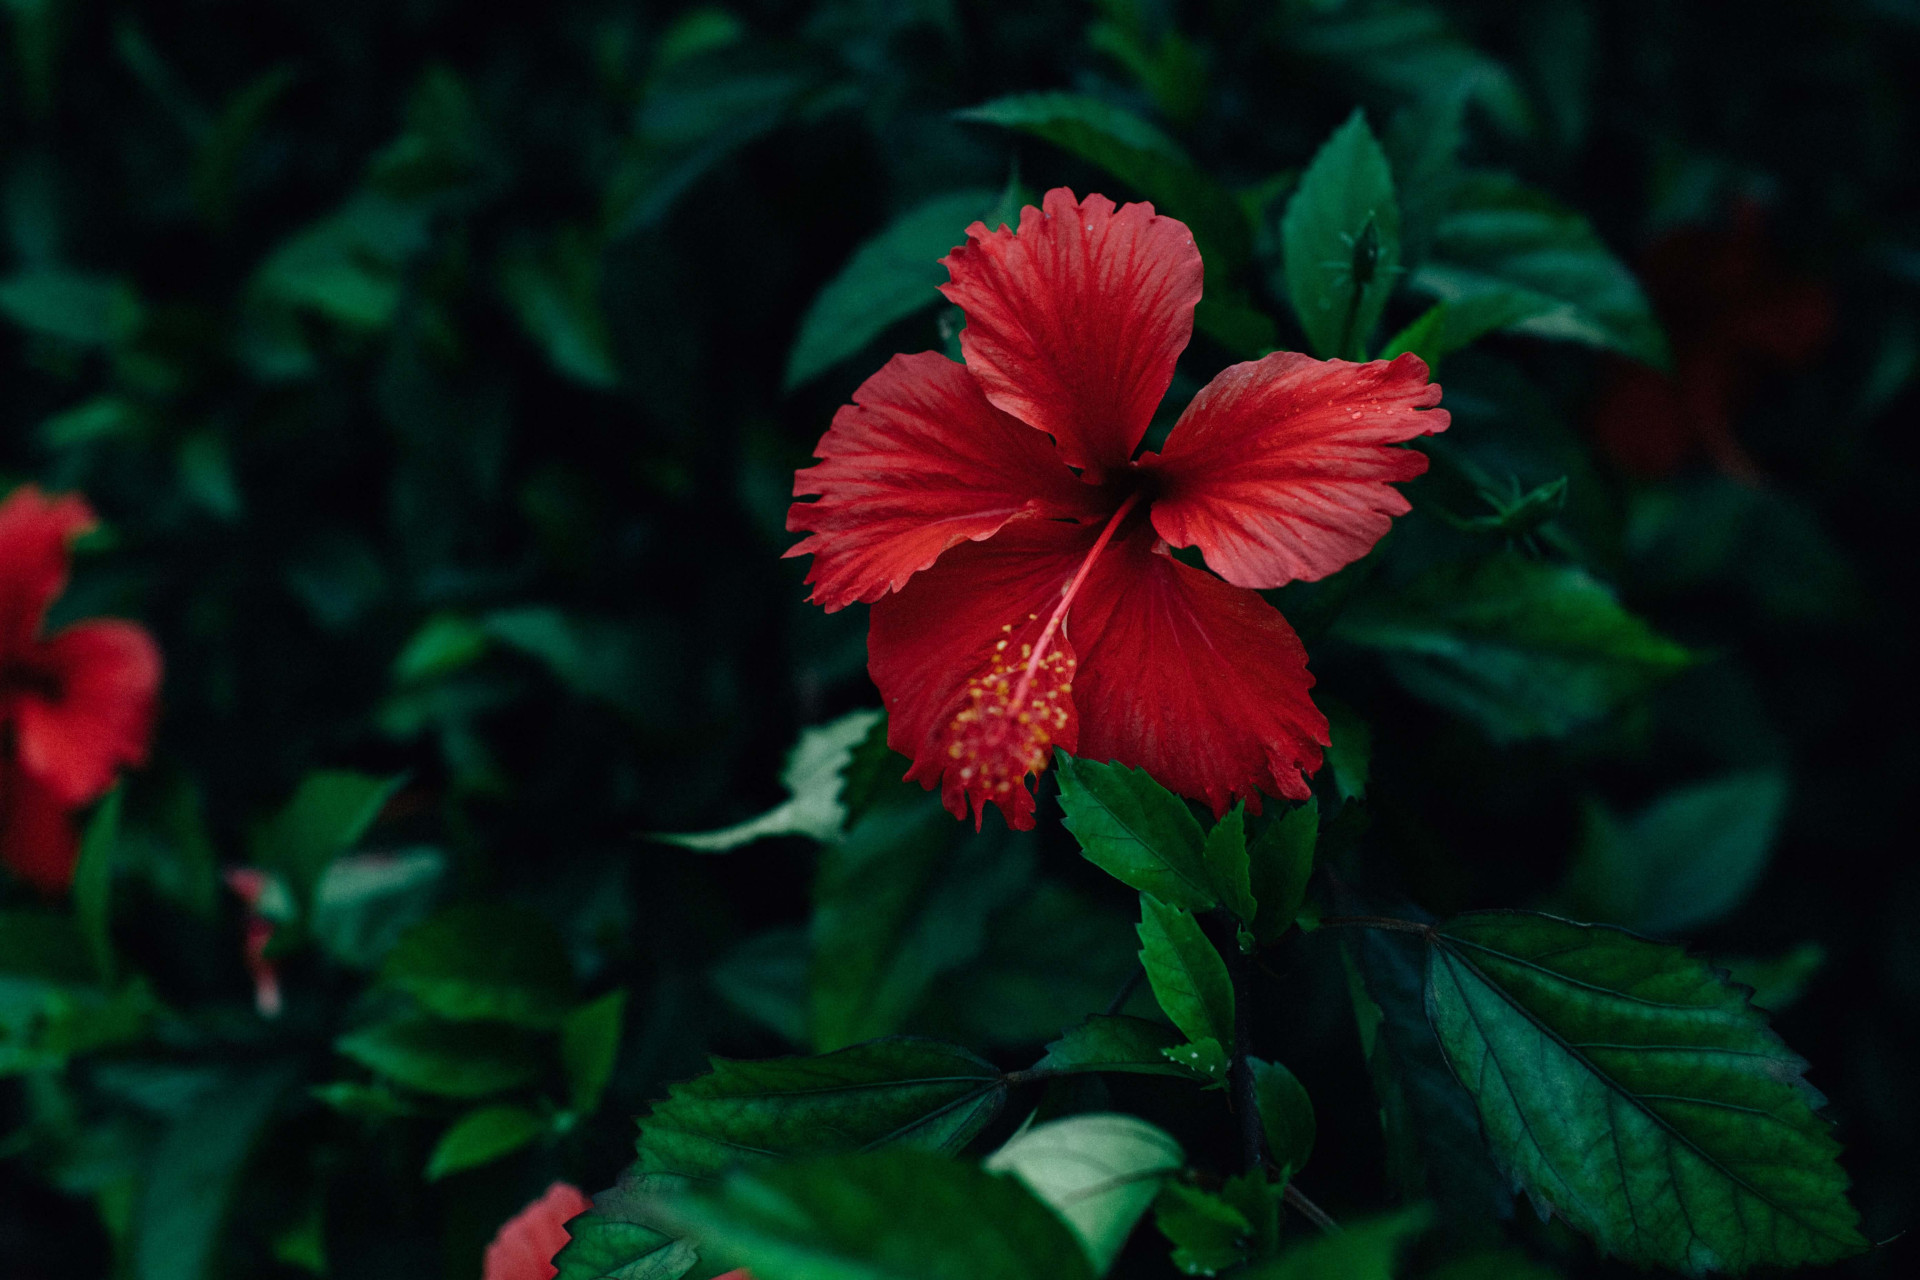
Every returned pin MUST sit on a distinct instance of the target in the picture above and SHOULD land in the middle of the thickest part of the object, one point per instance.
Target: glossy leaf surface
(1628, 1087)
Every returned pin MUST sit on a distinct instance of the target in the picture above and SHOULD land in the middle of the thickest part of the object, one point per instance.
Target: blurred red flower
(1024, 592)
(74, 706)
(1730, 311)
(524, 1246)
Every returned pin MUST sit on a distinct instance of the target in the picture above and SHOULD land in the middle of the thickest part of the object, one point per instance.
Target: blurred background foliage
(439, 372)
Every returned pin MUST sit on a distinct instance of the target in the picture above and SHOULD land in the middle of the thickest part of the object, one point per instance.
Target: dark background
(412, 309)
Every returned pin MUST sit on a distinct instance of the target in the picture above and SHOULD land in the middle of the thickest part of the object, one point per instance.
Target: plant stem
(1127, 988)
(1310, 1211)
(1375, 922)
(1222, 932)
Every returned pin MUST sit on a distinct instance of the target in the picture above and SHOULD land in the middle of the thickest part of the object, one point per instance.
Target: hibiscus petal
(918, 463)
(37, 841)
(933, 644)
(1280, 468)
(1075, 322)
(108, 672)
(524, 1246)
(35, 532)
(1200, 683)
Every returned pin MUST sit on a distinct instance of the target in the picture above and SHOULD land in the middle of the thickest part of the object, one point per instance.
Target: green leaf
(482, 1136)
(1414, 50)
(555, 292)
(190, 1175)
(1209, 1235)
(895, 1215)
(1206, 1058)
(622, 1238)
(1341, 241)
(1188, 977)
(1506, 245)
(1280, 862)
(328, 814)
(697, 113)
(1212, 1232)
(1050, 955)
(890, 277)
(765, 978)
(597, 658)
(1434, 1146)
(73, 306)
(1350, 755)
(1447, 327)
(446, 1059)
(485, 960)
(1631, 1088)
(445, 643)
(93, 883)
(365, 903)
(1524, 648)
(1363, 1251)
(1686, 861)
(1136, 831)
(1114, 1042)
(1286, 1113)
(1225, 854)
(1142, 157)
(920, 1093)
(898, 904)
(365, 1101)
(589, 1046)
(1099, 1171)
(1777, 981)
(815, 776)
(1503, 1264)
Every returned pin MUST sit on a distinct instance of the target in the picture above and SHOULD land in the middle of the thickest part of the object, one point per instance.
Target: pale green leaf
(1099, 1171)
(815, 776)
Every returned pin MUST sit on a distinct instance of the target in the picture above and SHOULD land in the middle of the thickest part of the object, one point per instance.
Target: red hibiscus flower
(524, 1246)
(1016, 552)
(74, 706)
(1732, 312)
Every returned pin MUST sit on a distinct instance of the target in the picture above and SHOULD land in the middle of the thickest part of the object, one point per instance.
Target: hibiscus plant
(1293, 663)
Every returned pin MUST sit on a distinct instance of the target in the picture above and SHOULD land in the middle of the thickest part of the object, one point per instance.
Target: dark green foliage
(484, 960)
(1341, 240)
(439, 374)
(1523, 648)
(1286, 1114)
(899, 1215)
(1581, 1040)
(917, 1092)
(1137, 831)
